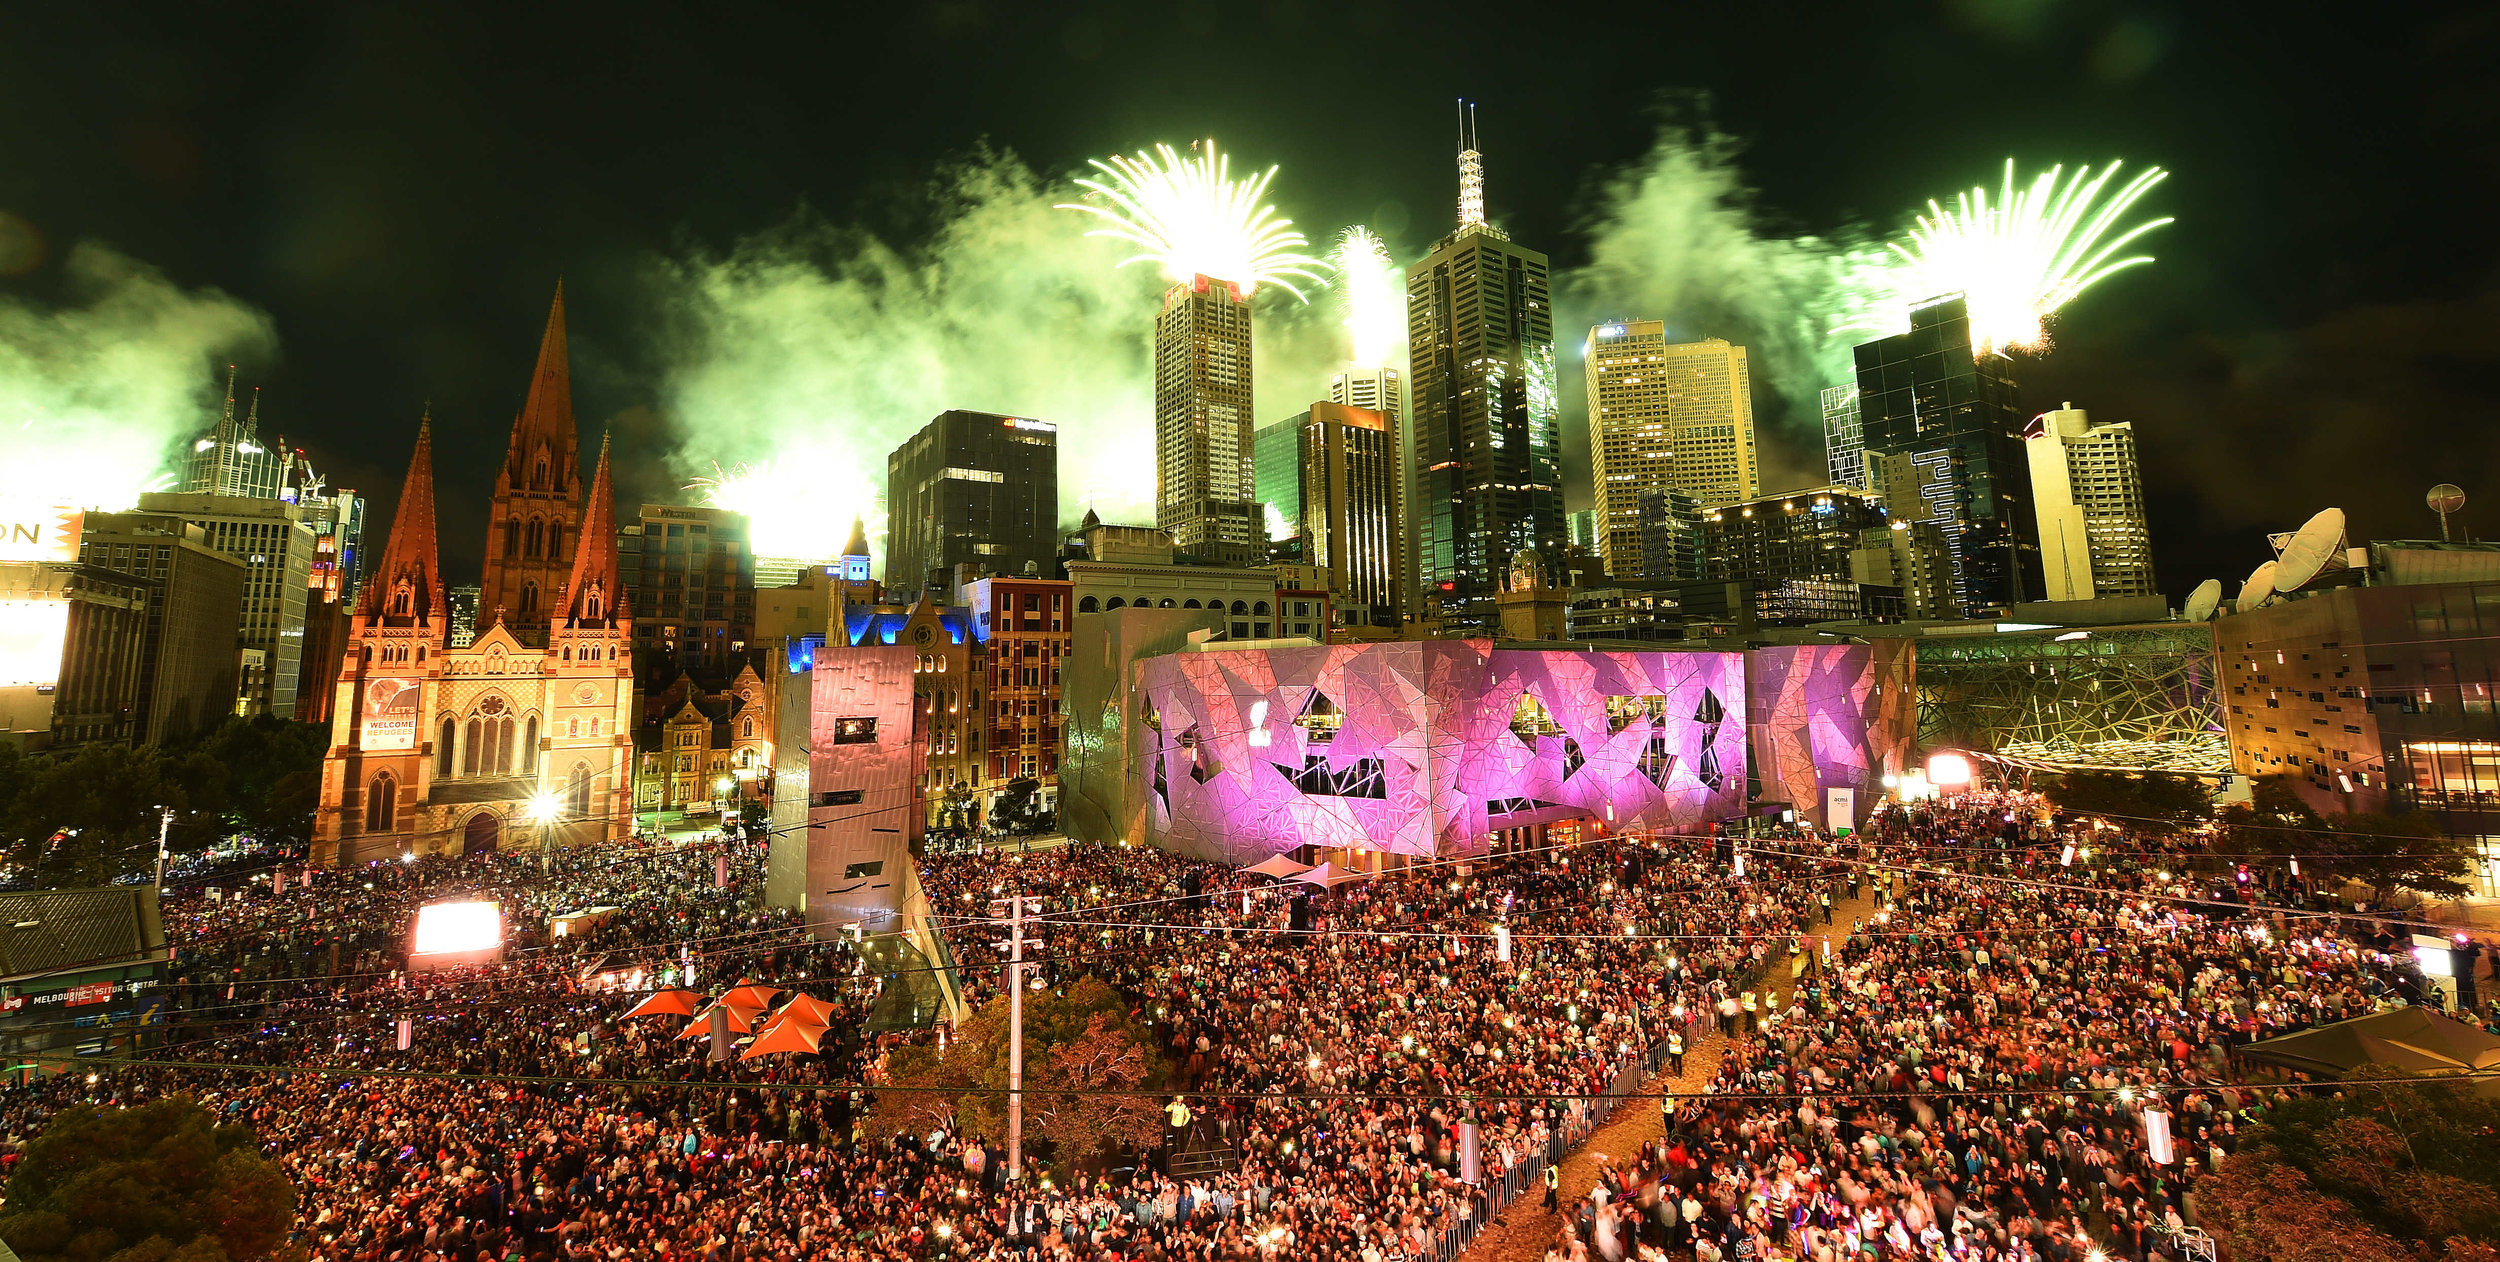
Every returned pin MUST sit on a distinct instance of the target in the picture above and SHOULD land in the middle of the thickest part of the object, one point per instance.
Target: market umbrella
(808, 1009)
(784, 1036)
(741, 1020)
(1278, 866)
(1330, 876)
(676, 1001)
(752, 996)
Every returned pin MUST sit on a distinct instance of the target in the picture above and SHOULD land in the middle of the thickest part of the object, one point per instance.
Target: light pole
(164, 829)
(545, 809)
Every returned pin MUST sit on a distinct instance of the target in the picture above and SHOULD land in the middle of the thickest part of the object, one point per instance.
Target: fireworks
(2021, 255)
(1374, 295)
(1191, 216)
(799, 509)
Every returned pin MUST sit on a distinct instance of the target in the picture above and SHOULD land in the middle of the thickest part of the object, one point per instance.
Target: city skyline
(386, 324)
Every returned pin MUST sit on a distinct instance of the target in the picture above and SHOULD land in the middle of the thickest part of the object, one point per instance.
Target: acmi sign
(47, 533)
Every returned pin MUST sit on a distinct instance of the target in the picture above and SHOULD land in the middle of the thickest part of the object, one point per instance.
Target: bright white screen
(446, 927)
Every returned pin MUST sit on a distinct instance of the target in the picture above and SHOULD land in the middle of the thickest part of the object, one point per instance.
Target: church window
(537, 537)
(443, 747)
(529, 596)
(529, 746)
(538, 475)
(555, 539)
(381, 803)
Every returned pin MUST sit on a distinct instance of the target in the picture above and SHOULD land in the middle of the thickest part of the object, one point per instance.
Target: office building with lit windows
(971, 488)
(1205, 496)
(1481, 392)
(1943, 438)
(1664, 416)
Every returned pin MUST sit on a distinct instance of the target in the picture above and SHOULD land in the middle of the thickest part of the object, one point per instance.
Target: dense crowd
(1961, 1072)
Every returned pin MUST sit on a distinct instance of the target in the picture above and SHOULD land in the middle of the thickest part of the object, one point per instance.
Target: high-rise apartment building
(277, 548)
(1353, 525)
(1206, 497)
(690, 580)
(2094, 543)
(971, 488)
(1026, 625)
(187, 658)
(1480, 334)
(232, 459)
(462, 602)
(1670, 416)
(1943, 437)
(337, 518)
(1844, 439)
(535, 522)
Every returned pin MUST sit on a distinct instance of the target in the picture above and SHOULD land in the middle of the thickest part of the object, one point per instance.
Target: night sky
(400, 188)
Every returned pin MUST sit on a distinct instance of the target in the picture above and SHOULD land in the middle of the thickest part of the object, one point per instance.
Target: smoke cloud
(1680, 236)
(820, 348)
(98, 394)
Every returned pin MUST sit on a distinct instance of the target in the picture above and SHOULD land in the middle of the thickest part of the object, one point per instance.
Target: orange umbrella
(741, 1021)
(807, 1008)
(784, 1036)
(675, 1001)
(753, 995)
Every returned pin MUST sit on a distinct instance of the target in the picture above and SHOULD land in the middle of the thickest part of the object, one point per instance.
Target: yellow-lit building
(1664, 416)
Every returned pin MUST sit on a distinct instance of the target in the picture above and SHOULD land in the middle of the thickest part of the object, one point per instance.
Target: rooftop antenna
(1470, 170)
(2445, 498)
(2202, 602)
(2314, 549)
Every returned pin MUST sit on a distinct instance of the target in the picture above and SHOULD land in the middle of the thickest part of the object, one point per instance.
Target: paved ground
(1526, 1230)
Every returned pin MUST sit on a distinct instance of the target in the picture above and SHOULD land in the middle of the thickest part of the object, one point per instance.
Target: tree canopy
(2399, 1173)
(159, 1183)
(90, 816)
(1077, 1038)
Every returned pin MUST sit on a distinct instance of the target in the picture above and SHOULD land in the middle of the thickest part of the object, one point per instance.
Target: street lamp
(544, 809)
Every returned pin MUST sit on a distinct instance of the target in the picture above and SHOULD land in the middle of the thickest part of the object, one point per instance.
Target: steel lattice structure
(2128, 698)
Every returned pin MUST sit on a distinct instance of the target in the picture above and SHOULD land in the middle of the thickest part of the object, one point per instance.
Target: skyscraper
(232, 459)
(2093, 540)
(1206, 498)
(1480, 332)
(1278, 477)
(1351, 520)
(1672, 416)
(1383, 390)
(1844, 440)
(533, 527)
(187, 661)
(972, 488)
(1944, 437)
(278, 549)
(691, 575)
(1668, 525)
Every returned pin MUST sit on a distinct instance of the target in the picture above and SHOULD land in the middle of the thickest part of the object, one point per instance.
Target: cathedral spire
(594, 597)
(409, 559)
(546, 419)
(225, 422)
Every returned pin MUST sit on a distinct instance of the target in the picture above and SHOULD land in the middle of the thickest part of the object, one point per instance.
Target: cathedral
(524, 738)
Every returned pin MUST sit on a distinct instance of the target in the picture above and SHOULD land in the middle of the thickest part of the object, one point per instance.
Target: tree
(2151, 802)
(2276, 821)
(2398, 1172)
(2407, 852)
(158, 1183)
(273, 776)
(1077, 1038)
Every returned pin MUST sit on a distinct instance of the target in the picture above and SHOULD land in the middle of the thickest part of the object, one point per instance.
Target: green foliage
(2403, 1171)
(159, 1183)
(2403, 852)
(1019, 808)
(1076, 1037)
(2152, 802)
(259, 776)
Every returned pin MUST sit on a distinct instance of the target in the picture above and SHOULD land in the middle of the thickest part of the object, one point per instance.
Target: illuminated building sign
(40, 533)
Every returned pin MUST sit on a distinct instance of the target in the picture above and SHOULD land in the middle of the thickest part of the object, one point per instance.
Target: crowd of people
(1936, 1038)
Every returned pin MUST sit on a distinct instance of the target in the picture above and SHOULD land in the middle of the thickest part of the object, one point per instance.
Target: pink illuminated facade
(863, 786)
(1442, 748)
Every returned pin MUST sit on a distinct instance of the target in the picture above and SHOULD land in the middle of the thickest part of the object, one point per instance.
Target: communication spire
(1470, 171)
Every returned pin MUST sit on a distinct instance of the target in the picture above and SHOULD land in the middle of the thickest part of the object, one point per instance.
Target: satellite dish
(2202, 602)
(2445, 498)
(2257, 590)
(2318, 546)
